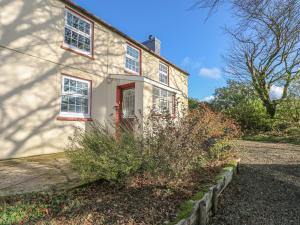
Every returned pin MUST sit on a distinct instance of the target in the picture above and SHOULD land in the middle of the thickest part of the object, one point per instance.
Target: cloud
(209, 98)
(214, 73)
(191, 63)
(276, 92)
(186, 61)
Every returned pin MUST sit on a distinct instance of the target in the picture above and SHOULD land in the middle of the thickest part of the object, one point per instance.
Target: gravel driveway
(267, 190)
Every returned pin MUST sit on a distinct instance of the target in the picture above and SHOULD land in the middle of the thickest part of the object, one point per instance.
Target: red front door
(125, 106)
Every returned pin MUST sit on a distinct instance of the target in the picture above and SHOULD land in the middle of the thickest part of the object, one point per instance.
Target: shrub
(240, 102)
(193, 103)
(168, 150)
(175, 147)
(96, 154)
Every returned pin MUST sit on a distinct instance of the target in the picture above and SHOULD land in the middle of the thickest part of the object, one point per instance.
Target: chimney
(153, 43)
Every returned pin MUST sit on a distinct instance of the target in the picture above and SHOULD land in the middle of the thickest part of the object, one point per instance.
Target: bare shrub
(173, 147)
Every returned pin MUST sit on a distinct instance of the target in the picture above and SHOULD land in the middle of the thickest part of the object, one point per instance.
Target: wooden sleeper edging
(206, 207)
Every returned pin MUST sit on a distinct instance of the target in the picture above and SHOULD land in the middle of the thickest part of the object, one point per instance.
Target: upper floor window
(75, 98)
(163, 100)
(78, 33)
(163, 73)
(132, 59)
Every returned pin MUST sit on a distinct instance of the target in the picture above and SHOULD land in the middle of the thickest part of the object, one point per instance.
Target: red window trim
(91, 98)
(167, 65)
(118, 106)
(140, 53)
(92, 38)
(61, 118)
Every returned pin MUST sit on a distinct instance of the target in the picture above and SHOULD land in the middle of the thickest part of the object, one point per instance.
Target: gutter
(110, 27)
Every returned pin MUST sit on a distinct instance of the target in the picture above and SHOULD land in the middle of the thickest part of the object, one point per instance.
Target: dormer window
(78, 33)
(133, 59)
(163, 73)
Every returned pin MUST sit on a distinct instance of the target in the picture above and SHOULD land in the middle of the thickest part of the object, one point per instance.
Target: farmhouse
(62, 67)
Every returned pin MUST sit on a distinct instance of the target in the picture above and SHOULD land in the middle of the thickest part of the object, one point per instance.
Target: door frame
(119, 100)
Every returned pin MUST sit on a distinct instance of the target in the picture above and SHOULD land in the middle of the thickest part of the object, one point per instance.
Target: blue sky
(187, 40)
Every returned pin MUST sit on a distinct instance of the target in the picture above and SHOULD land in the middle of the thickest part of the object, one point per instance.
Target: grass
(186, 209)
(290, 139)
(290, 136)
(20, 209)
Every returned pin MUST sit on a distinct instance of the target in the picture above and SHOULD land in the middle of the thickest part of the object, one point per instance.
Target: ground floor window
(75, 98)
(163, 100)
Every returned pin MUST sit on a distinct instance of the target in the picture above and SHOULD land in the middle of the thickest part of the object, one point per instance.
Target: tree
(193, 103)
(240, 102)
(289, 109)
(266, 45)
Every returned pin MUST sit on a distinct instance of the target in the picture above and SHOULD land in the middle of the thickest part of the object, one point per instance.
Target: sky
(187, 40)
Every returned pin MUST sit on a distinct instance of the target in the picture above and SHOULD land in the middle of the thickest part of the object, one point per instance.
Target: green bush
(220, 148)
(240, 102)
(168, 150)
(96, 154)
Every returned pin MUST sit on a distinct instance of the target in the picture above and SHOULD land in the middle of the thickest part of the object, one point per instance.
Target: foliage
(239, 102)
(289, 109)
(175, 147)
(193, 103)
(168, 150)
(291, 135)
(265, 48)
(35, 206)
(96, 154)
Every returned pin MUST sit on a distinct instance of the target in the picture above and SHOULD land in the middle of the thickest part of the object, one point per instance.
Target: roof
(100, 21)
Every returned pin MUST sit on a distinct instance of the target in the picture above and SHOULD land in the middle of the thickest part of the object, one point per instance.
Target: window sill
(165, 84)
(61, 118)
(131, 72)
(77, 52)
(158, 114)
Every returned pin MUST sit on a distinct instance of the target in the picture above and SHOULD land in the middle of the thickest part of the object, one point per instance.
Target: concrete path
(267, 190)
(40, 173)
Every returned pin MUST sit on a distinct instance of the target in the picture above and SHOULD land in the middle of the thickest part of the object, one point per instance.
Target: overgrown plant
(177, 146)
(96, 153)
(169, 148)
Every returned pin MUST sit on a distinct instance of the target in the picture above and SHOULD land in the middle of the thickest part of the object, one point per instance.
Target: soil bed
(141, 202)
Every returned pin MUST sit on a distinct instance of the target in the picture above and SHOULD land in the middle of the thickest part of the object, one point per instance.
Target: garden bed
(141, 179)
(141, 202)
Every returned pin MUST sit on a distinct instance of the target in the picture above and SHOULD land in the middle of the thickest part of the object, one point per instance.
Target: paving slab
(35, 174)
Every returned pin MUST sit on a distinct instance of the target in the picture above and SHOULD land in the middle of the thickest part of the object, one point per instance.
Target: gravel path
(267, 190)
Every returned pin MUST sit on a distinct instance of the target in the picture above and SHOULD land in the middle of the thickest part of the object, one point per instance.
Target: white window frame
(134, 59)
(73, 29)
(132, 103)
(164, 73)
(170, 94)
(63, 93)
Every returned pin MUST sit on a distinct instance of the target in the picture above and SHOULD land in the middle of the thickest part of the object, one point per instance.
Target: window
(163, 100)
(128, 103)
(132, 59)
(78, 33)
(163, 73)
(75, 98)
